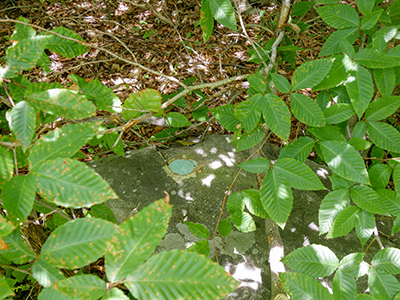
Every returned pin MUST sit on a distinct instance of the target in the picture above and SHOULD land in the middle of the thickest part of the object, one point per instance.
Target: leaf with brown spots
(18, 253)
(18, 196)
(84, 286)
(71, 183)
(77, 243)
(23, 55)
(62, 142)
(180, 275)
(136, 240)
(62, 102)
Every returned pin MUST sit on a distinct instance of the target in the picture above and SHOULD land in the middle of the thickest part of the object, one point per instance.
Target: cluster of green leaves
(345, 123)
(43, 165)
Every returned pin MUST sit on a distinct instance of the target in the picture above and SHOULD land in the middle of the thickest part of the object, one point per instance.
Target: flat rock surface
(142, 177)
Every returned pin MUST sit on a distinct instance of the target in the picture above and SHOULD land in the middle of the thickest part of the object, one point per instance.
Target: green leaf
(339, 16)
(298, 174)
(374, 59)
(253, 203)
(200, 114)
(301, 8)
(201, 247)
(21, 31)
(223, 12)
(367, 199)
(6, 227)
(370, 20)
(382, 287)
(51, 293)
(365, 226)
(352, 264)
(102, 212)
(277, 197)
(104, 97)
(206, 20)
(361, 89)
(226, 117)
(384, 136)
(337, 75)
(66, 245)
(198, 230)
(379, 175)
(347, 48)
(62, 142)
(299, 149)
(281, 83)
(359, 144)
(306, 110)
(243, 221)
(300, 286)
(339, 93)
(396, 179)
(365, 6)
(62, 102)
(23, 55)
(360, 129)
(340, 183)
(6, 165)
(84, 286)
(235, 203)
(224, 228)
(115, 294)
(175, 119)
(344, 222)
(390, 201)
(46, 274)
(344, 160)
(136, 240)
(18, 196)
(257, 82)
(18, 253)
(310, 74)
(70, 183)
(338, 113)
(66, 48)
(387, 261)
(331, 206)
(327, 133)
(382, 108)
(379, 43)
(323, 99)
(385, 80)
(141, 102)
(276, 115)
(249, 111)
(172, 278)
(248, 140)
(256, 165)
(23, 121)
(5, 290)
(396, 225)
(344, 286)
(312, 260)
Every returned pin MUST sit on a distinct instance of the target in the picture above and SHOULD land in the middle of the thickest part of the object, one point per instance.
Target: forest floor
(164, 36)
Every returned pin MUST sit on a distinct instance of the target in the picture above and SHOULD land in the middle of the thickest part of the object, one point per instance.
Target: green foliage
(64, 184)
(347, 129)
